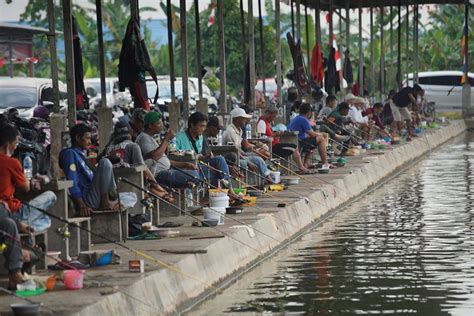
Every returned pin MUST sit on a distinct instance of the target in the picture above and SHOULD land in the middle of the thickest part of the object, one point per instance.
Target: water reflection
(405, 249)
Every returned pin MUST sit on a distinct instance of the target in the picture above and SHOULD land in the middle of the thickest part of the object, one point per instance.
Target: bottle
(172, 145)
(248, 131)
(28, 167)
(219, 138)
(188, 195)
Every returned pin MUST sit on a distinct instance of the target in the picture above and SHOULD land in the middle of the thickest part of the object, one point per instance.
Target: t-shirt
(336, 118)
(301, 125)
(148, 144)
(232, 134)
(127, 151)
(325, 111)
(11, 176)
(183, 142)
(375, 118)
(267, 127)
(356, 115)
(401, 98)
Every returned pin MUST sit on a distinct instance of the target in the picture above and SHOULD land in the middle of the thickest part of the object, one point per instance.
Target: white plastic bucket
(219, 201)
(214, 213)
(275, 176)
(52, 258)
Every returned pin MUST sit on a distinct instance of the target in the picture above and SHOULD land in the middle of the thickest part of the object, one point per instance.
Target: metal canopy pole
(198, 47)
(467, 109)
(348, 25)
(298, 19)
(69, 52)
(391, 46)
(278, 55)
(244, 38)
(317, 20)
(100, 38)
(223, 78)
(331, 29)
(53, 54)
(399, 49)
(292, 19)
(382, 58)
(360, 82)
(306, 24)
(262, 47)
(251, 54)
(415, 44)
(184, 57)
(407, 66)
(372, 53)
(134, 9)
(169, 20)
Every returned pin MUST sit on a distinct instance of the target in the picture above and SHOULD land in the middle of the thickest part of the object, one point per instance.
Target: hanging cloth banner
(82, 100)
(134, 62)
(300, 77)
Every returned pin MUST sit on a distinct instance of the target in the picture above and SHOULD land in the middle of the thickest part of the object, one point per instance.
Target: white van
(25, 93)
(443, 87)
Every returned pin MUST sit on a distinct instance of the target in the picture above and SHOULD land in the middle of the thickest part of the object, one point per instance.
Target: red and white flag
(337, 57)
(212, 17)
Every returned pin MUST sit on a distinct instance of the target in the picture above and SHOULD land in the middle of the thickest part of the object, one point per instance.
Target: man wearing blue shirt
(308, 139)
(90, 189)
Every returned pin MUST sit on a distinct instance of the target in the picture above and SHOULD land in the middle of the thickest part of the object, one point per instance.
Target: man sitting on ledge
(12, 177)
(90, 189)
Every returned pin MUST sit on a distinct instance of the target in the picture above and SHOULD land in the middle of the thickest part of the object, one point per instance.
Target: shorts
(308, 144)
(400, 114)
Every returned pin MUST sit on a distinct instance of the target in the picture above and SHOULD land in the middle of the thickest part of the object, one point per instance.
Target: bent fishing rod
(217, 212)
(130, 249)
(64, 264)
(187, 213)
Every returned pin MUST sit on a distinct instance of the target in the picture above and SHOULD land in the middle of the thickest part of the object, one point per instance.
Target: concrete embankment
(112, 290)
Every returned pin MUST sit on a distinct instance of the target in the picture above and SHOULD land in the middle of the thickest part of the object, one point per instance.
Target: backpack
(117, 155)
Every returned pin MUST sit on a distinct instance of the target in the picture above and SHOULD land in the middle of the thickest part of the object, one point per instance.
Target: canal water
(406, 248)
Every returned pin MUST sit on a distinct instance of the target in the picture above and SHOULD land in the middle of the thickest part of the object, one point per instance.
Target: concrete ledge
(166, 290)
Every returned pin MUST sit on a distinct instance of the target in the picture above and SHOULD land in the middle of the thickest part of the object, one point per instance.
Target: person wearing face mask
(12, 177)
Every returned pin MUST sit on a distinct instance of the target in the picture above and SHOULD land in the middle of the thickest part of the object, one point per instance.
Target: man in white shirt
(233, 135)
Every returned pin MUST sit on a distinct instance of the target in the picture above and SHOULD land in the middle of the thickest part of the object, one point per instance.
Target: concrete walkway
(177, 280)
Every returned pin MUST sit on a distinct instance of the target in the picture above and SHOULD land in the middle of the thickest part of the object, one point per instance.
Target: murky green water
(407, 248)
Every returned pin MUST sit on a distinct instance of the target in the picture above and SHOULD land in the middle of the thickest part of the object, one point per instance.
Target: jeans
(12, 254)
(259, 162)
(214, 176)
(174, 178)
(103, 182)
(32, 216)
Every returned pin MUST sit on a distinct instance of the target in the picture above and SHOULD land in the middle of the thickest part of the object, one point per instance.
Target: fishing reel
(64, 232)
(3, 247)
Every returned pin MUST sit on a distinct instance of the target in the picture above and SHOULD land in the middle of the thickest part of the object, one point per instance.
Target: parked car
(443, 87)
(113, 95)
(206, 92)
(26, 93)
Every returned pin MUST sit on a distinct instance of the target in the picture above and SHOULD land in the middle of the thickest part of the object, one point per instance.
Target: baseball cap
(121, 128)
(238, 112)
(152, 117)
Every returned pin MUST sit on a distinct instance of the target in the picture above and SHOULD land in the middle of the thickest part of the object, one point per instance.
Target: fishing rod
(65, 264)
(224, 215)
(246, 184)
(197, 218)
(120, 244)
